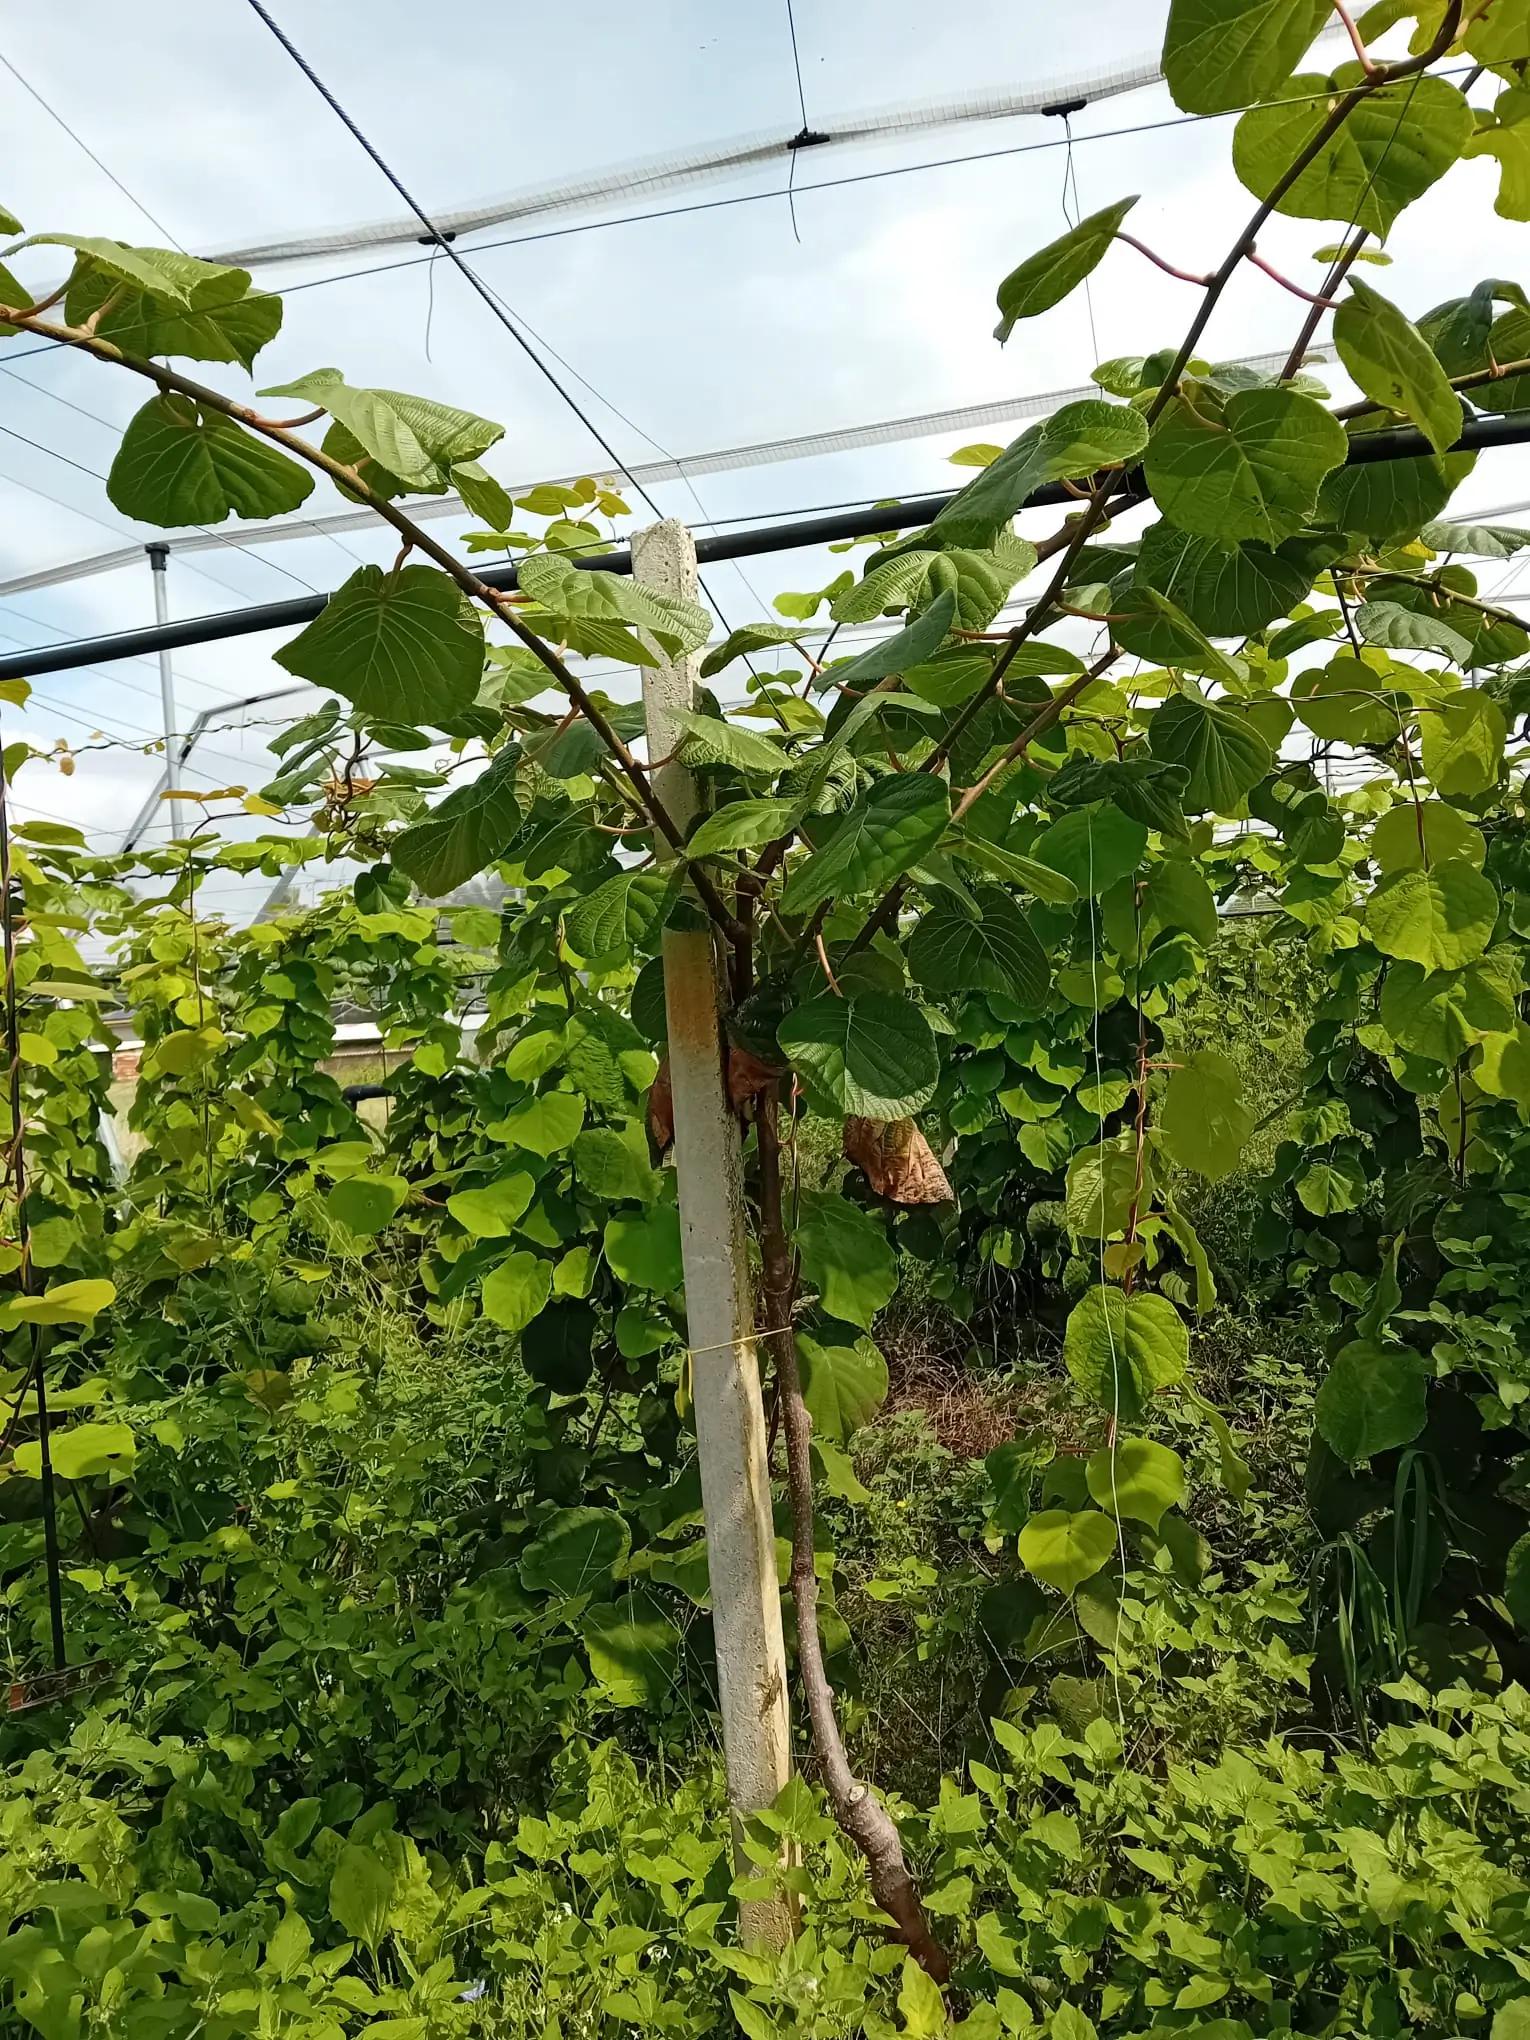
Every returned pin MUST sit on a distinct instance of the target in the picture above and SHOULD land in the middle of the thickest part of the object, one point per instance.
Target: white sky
(706, 329)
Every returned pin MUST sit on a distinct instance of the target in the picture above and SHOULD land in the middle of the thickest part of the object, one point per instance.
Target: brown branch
(861, 1815)
(885, 912)
(415, 536)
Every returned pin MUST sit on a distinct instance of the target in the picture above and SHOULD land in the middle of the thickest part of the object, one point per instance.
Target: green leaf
(621, 917)
(1475, 541)
(1074, 441)
(231, 325)
(920, 2004)
(846, 1257)
(889, 585)
(1175, 894)
(179, 464)
(1064, 1547)
(1502, 1069)
(843, 1386)
(1388, 500)
(1516, 1593)
(1411, 834)
(607, 1058)
(1254, 472)
(1154, 626)
(1204, 1120)
(1093, 847)
(1220, 748)
(590, 595)
(556, 1346)
(406, 646)
(1236, 1476)
(543, 1125)
(634, 1650)
(1226, 591)
(65, 1303)
(1391, 625)
(1329, 1187)
(1137, 1478)
(363, 1205)
(872, 1057)
(1348, 702)
(613, 1168)
(490, 1210)
(1052, 273)
(1104, 1182)
(410, 438)
(1122, 1349)
(954, 955)
(1440, 1014)
(1051, 887)
(575, 1552)
(749, 637)
(465, 832)
(644, 1249)
(1222, 54)
(184, 280)
(742, 825)
(882, 836)
(1461, 743)
(1441, 918)
(515, 1290)
(361, 1893)
(482, 494)
(904, 650)
(709, 741)
(81, 1452)
(1372, 1399)
(1395, 144)
(1394, 365)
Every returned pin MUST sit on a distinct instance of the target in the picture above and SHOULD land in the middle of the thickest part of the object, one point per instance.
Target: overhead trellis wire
(1146, 127)
(1393, 443)
(679, 168)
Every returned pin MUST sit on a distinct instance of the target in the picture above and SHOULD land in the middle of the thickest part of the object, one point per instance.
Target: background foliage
(1154, 1121)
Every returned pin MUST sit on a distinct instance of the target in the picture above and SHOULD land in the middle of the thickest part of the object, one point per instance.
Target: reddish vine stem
(1169, 269)
(1323, 304)
(414, 536)
(1357, 41)
(860, 1814)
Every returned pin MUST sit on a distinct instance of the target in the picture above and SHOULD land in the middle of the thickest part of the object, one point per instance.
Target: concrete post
(725, 1375)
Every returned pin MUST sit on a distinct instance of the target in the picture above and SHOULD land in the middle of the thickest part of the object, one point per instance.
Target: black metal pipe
(1399, 442)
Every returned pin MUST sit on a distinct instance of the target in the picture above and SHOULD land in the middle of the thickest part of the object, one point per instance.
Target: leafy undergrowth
(340, 1784)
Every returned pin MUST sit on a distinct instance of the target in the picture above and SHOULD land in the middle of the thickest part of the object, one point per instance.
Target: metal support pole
(159, 561)
(719, 1307)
